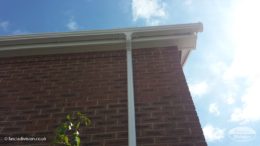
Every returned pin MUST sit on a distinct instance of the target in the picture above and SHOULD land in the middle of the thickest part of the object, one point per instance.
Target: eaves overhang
(184, 36)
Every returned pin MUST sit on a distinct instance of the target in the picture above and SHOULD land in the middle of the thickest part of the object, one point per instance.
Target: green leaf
(87, 121)
(77, 126)
(71, 137)
(62, 128)
(77, 139)
(66, 140)
(68, 117)
(60, 139)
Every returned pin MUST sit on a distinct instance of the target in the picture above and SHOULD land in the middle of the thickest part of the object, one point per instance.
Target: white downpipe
(130, 92)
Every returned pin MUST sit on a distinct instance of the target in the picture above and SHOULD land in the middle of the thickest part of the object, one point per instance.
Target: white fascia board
(183, 36)
(182, 42)
(192, 27)
(63, 44)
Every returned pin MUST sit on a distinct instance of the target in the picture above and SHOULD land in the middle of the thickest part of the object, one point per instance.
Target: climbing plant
(67, 133)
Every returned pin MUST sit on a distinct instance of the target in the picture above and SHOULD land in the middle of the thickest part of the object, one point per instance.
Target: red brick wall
(37, 92)
(164, 108)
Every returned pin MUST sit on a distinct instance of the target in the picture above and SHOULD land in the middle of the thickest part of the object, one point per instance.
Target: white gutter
(192, 27)
(182, 36)
(130, 92)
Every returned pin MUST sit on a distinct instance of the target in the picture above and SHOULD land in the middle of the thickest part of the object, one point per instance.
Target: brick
(166, 139)
(116, 128)
(145, 140)
(152, 133)
(105, 123)
(91, 143)
(16, 118)
(24, 123)
(40, 116)
(106, 112)
(116, 142)
(122, 134)
(11, 129)
(104, 136)
(94, 130)
(162, 97)
(141, 126)
(165, 125)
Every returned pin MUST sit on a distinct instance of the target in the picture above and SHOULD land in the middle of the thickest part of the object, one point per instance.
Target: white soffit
(183, 36)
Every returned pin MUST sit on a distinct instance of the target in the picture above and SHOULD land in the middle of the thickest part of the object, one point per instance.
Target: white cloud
(152, 11)
(230, 100)
(19, 32)
(198, 89)
(217, 67)
(188, 2)
(243, 71)
(245, 30)
(214, 109)
(4, 25)
(236, 70)
(212, 133)
(72, 25)
(249, 111)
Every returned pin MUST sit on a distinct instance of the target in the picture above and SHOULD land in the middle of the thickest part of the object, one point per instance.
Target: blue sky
(222, 73)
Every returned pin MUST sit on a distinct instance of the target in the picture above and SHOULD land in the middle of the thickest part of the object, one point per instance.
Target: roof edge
(195, 27)
(184, 36)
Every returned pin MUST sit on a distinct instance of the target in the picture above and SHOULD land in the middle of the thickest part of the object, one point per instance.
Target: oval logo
(242, 134)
